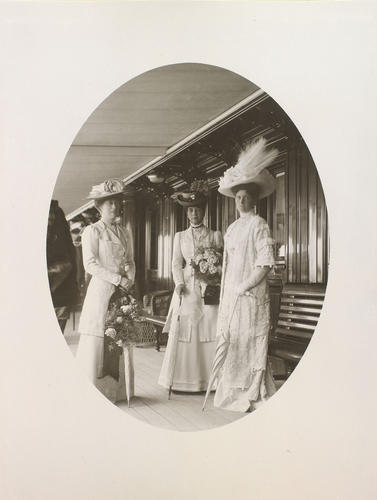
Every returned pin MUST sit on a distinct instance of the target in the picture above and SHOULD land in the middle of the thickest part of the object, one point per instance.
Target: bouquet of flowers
(207, 265)
(121, 320)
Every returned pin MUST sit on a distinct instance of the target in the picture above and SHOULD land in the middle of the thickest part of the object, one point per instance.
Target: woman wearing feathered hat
(107, 256)
(244, 378)
(187, 363)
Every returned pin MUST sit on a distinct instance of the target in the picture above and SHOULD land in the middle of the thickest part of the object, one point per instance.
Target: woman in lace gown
(197, 325)
(108, 258)
(244, 316)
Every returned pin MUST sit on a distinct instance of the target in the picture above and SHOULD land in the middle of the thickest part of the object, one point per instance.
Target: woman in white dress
(244, 315)
(107, 256)
(192, 357)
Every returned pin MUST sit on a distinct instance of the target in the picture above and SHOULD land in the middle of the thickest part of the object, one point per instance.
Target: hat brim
(187, 202)
(264, 180)
(104, 196)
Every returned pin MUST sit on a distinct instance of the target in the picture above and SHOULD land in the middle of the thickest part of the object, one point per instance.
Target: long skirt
(90, 358)
(261, 388)
(192, 365)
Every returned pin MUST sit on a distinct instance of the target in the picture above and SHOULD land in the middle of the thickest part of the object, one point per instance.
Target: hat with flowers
(196, 196)
(107, 189)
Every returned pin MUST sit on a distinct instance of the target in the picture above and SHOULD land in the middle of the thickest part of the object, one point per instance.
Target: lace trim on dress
(263, 242)
(265, 254)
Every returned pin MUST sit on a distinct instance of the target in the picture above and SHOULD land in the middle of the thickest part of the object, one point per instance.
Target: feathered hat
(107, 189)
(250, 169)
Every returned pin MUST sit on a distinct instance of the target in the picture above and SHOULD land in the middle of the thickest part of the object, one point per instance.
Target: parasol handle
(171, 385)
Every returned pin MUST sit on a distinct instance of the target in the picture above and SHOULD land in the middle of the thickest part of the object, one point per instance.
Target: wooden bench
(156, 307)
(299, 311)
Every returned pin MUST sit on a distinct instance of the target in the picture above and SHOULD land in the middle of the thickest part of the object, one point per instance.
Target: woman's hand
(180, 289)
(240, 290)
(256, 277)
(125, 284)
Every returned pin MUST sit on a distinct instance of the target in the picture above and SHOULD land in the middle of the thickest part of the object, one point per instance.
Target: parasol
(128, 358)
(173, 338)
(220, 355)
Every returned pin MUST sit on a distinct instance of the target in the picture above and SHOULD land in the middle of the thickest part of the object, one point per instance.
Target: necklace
(198, 235)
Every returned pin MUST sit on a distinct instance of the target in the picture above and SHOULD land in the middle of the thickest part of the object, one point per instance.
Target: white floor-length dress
(245, 379)
(107, 256)
(197, 325)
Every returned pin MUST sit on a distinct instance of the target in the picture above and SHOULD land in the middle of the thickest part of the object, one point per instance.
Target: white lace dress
(244, 321)
(194, 353)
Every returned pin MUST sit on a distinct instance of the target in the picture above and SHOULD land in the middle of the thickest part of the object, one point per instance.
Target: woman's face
(109, 209)
(245, 201)
(195, 215)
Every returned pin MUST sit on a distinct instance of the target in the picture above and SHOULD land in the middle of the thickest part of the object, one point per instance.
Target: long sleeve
(177, 263)
(129, 265)
(90, 242)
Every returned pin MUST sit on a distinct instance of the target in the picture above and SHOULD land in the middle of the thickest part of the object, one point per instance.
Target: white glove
(125, 283)
(241, 290)
(179, 289)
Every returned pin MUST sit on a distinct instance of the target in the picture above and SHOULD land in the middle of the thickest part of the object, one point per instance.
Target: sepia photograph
(188, 247)
(188, 300)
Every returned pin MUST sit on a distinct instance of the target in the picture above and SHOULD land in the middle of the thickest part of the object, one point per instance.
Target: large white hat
(251, 169)
(107, 189)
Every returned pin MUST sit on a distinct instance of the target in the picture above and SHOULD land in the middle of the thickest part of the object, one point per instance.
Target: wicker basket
(145, 334)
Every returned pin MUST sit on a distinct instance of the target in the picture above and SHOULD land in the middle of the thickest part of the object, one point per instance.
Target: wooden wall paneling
(321, 235)
(170, 239)
(292, 214)
(285, 274)
(147, 244)
(299, 161)
(231, 210)
(167, 236)
(312, 226)
(262, 208)
(304, 217)
(160, 233)
(219, 213)
(179, 217)
(139, 257)
(212, 210)
(271, 203)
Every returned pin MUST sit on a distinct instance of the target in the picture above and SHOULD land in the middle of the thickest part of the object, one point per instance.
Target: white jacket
(107, 257)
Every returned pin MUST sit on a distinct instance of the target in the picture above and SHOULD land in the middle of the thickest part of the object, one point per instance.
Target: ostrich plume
(254, 158)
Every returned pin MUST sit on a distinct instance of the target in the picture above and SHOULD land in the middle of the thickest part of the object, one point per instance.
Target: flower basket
(122, 329)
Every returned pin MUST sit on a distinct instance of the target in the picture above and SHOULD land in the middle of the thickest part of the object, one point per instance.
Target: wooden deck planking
(159, 402)
(183, 412)
(188, 406)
